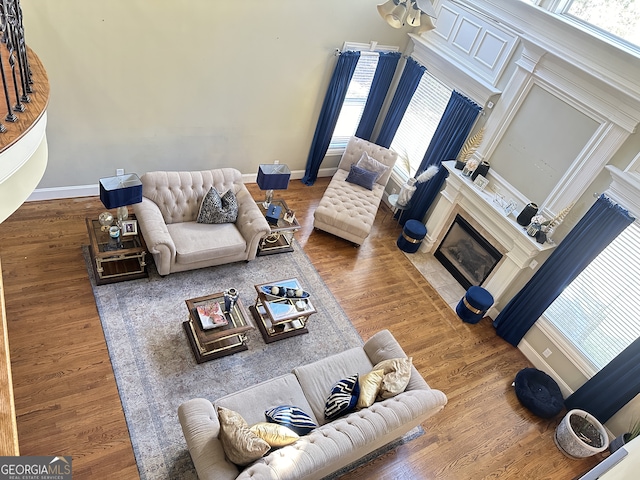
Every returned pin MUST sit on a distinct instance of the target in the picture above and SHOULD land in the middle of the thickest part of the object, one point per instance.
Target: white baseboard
(54, 193)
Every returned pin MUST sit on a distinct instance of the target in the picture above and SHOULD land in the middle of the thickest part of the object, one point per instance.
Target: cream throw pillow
(240, 444)
(397, 372)
(369, 388)
(274, 434)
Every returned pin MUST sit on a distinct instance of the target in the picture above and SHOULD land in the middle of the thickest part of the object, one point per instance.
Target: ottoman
(474, 305)
(411, 237)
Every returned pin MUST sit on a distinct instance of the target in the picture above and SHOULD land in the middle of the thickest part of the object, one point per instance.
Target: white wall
(157, 84)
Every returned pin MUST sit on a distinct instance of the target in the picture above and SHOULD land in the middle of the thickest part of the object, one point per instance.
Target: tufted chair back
(179, 194)
(354, 150)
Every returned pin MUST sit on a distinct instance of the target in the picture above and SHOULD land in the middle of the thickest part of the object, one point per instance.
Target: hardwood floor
(67, 401)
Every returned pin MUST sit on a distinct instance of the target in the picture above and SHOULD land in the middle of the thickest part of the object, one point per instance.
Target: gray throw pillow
(361, 177)
(217, 209)
(371, 164)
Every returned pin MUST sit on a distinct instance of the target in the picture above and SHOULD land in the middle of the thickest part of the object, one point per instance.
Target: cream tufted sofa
(331, 446)
(348, 210)
(167, 219)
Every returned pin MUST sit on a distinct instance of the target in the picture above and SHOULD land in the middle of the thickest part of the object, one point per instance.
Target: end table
(281, 237)
(116, 265)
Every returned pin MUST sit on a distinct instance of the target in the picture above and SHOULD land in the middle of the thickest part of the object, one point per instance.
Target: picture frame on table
(289, 216)
(129, 227)
(481, 182)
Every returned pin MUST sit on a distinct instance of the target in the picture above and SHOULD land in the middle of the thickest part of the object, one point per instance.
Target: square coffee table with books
(282, 309)
(212, 332)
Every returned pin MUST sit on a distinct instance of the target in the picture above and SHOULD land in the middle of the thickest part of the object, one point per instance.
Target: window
(354, 101)
(598, 313)
(613, 20)
(419, 123)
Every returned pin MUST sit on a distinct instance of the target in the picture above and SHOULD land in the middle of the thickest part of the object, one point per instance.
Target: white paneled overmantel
(575, 148)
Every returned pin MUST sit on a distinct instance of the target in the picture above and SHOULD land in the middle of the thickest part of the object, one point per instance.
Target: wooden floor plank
(67, 401)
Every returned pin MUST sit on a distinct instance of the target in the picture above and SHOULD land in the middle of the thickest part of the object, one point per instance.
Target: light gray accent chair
(348, 210)
(328, 448)
(167, 219)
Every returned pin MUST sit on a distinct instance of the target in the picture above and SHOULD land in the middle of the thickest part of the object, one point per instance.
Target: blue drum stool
(411, 237)
(474, 305)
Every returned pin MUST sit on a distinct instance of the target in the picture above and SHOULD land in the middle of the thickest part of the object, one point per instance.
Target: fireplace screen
(466, 254)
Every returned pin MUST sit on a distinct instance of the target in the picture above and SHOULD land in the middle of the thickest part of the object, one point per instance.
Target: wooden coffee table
(209, 342)
(281, 317)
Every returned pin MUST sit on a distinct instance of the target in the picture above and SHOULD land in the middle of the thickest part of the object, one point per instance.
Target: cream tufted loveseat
(331, 446)
(168, 213)
(348, 210)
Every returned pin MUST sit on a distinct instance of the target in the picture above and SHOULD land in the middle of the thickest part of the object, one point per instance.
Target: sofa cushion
(196, 242)
(369, 163)
(362, 177)
(253, 401)
(397, 372)
(218, 209)
(291, 417)
(241, 445)
(275, 435)
(317, 378)
(343, 397)
(370, 384)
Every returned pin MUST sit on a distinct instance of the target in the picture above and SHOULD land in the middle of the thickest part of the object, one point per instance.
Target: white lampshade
(413, 17)
(396, 17)
(384, 9)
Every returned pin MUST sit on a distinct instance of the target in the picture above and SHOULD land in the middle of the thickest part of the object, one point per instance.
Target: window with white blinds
(598, 312)
(419, 123)
(355, 100)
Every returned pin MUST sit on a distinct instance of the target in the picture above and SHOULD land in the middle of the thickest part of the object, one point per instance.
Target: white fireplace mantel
(461, 196)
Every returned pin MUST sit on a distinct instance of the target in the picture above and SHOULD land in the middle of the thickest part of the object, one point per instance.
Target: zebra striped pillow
(293, 417)
(343, 397)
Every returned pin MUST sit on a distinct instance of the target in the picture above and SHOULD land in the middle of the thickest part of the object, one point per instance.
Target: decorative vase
(466, 171)
(481, 169)
(230, 299)
(460, 164)
(541, 237)
(580, 435)
(406, 192)
(527, 214)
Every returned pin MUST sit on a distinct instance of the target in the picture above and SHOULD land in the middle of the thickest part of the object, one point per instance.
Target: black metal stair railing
(17, 79)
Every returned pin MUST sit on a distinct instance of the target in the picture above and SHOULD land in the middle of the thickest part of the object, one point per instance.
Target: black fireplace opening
(466, 254)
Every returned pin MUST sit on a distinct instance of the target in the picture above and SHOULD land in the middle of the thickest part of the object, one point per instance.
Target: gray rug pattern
(154, 366)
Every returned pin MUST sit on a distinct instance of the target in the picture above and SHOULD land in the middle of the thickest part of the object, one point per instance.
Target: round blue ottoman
(411, 237)
(538, 392)
(474, 305)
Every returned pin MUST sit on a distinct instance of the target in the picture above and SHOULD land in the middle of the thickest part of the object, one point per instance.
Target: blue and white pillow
(218, 209)
(343, 397)
(292, 417)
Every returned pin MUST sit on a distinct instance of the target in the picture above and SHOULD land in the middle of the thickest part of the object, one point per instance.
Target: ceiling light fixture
(415, 13)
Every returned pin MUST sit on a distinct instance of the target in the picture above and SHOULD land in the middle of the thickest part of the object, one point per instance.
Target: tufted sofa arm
(251, 222)
(156, 235)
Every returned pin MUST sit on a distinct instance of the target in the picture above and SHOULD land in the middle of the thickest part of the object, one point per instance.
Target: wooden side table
(281, 237)
(110, 264)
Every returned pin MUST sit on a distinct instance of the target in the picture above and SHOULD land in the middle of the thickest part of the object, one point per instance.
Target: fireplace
(466, 254)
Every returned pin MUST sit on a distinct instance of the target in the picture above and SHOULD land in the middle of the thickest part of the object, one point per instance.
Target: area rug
(155, 369)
